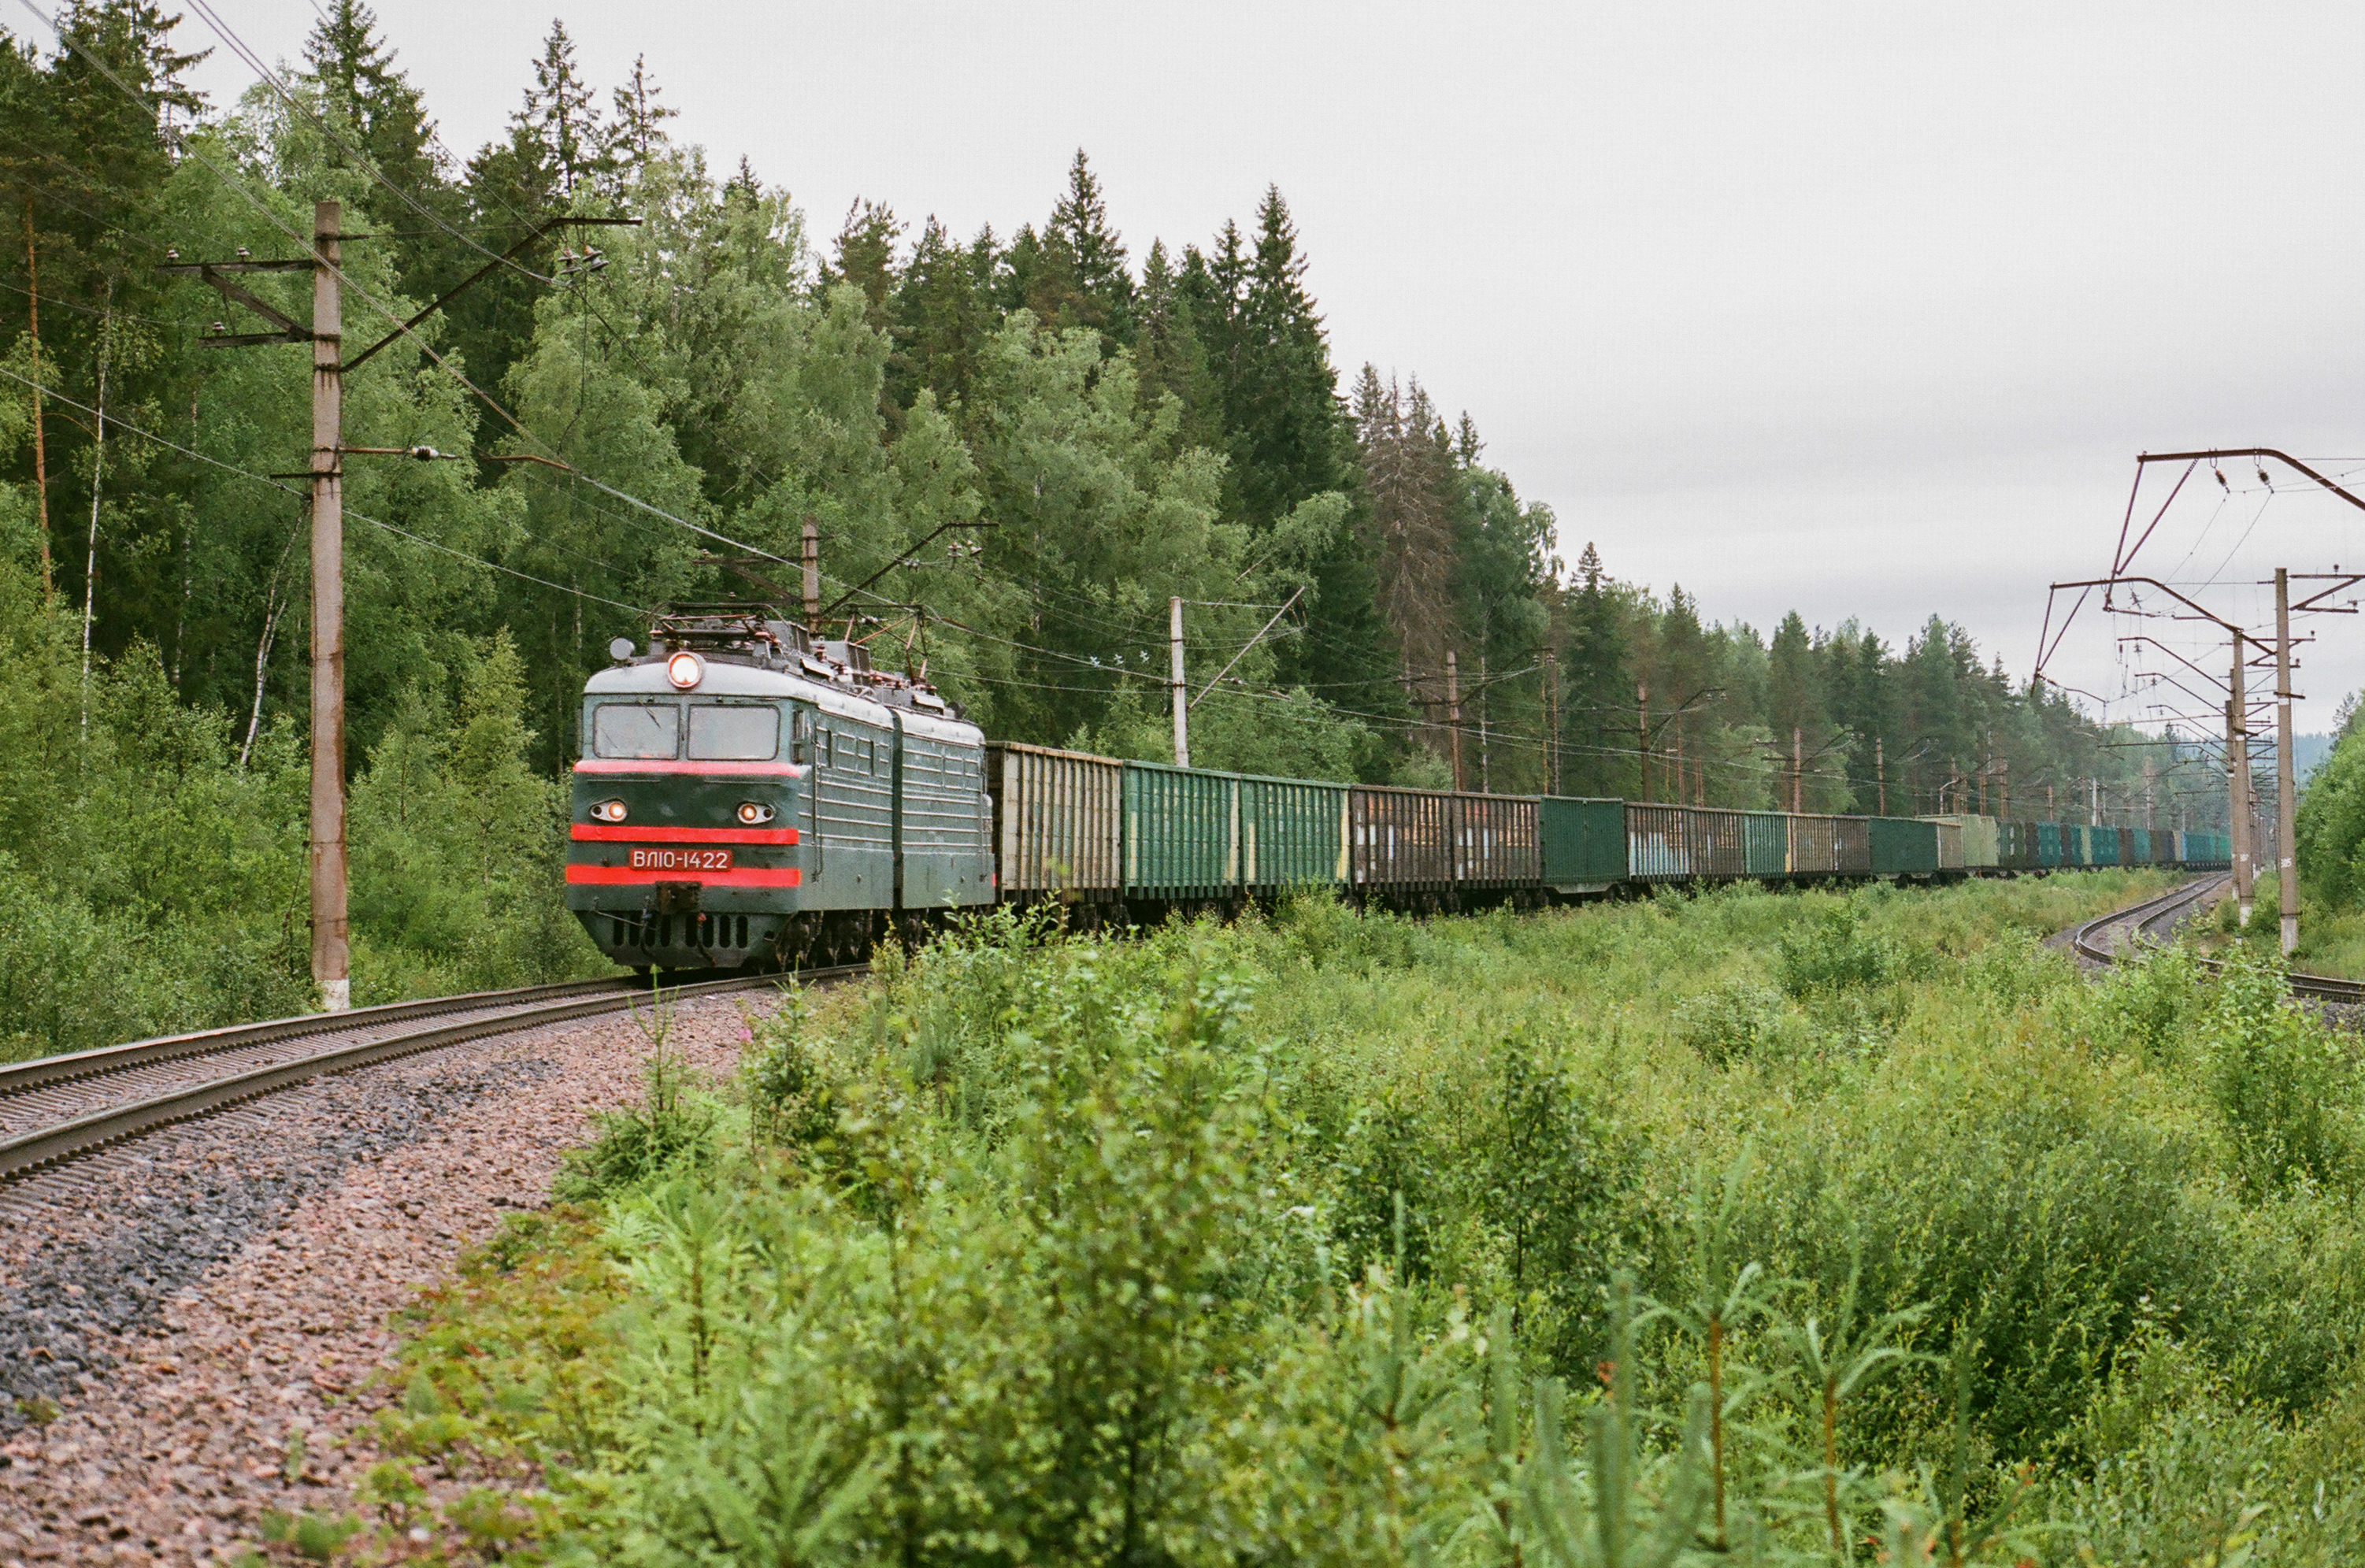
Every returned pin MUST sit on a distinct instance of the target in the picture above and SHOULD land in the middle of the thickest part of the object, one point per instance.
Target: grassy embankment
(1345, 1241)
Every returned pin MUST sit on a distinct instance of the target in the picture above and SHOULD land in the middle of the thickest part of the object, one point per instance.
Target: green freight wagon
(2050, 849)
(2135, 847)
(1765, 844)
(2105, 845)
(1181, 827)
(1903, 847)
(1584, 842)
(1293, 833)
(2077, 845)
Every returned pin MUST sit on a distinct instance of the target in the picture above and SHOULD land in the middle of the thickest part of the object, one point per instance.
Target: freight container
(1056, 821)
(1293, 833)
(2051, 847)
(1817, 847)
(1950, 845)
(1494, 839)
(2134, 846)
(1766, 843)
(1181, 832)
(1855, 845)
(1982, 840)
(1399, 838)
(1658, 843)
(2104, 844)
(1583, 843)
(1902, 847)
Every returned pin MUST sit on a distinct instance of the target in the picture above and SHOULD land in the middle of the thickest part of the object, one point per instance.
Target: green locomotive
(748, 795)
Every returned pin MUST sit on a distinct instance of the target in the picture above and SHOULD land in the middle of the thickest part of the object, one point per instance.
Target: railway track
(54, 1108)
(2094, 940)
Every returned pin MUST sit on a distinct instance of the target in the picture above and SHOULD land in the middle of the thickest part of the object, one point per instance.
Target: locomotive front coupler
(677, 898)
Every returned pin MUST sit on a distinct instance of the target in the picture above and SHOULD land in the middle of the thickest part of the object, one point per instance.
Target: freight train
(751, 795)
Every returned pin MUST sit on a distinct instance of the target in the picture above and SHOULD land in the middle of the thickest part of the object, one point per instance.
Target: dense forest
(1017, 447)
(1122, 429)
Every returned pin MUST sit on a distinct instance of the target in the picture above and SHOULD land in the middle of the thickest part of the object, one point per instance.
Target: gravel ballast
(188, 1326)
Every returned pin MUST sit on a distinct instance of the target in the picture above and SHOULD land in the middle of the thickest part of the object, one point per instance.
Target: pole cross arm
(507, 257)
(1251, 643)
(901, 557)
(290, 330)
(2251, 451)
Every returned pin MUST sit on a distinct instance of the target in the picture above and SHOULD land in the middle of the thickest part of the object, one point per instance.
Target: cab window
(735, 733)
(639, 730)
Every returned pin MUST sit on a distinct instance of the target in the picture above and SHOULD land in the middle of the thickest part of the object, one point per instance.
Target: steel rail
(18, 1077)
(2142, 918)
(47, 1146)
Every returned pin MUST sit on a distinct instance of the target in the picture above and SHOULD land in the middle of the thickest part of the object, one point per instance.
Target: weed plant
(1819, 1228)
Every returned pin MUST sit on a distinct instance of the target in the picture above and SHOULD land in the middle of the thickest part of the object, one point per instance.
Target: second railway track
(54, 1108)
(2107, 938)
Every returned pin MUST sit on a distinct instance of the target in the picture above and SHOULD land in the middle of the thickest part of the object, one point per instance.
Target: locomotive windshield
(735, 733)
(636, 729)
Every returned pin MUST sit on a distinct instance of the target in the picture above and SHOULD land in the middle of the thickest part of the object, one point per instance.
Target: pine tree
(1407, 536)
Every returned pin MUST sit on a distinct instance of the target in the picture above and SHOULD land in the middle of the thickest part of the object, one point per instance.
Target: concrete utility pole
(812, 575)
(1551, 720)
(1182, 688)
(1881, 772)
(1486, 706)
(1643, 739)
(2240, 810)
(2286, 780)
(1454, 711)
(332, 954)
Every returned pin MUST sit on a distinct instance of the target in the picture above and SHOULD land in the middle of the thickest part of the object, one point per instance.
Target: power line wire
(265, 479)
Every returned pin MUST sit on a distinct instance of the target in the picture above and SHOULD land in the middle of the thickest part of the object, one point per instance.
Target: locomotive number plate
(681, 859)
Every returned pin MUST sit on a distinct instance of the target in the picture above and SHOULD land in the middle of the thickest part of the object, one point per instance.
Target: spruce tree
(866, 256)
(637, 134)
(940, 315)
(1597, 702)
(560, 115)
(1167, 348)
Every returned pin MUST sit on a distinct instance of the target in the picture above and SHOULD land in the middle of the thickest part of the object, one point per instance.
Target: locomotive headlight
(609, 810)
(685, 669)
(755, 811)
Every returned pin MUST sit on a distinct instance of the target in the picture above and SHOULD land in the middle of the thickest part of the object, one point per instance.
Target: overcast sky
(1860, 310)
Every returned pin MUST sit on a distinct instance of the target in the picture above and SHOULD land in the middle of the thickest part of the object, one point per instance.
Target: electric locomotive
(750, 795)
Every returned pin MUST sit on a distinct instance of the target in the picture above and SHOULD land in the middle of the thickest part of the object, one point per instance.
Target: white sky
(1863, 309)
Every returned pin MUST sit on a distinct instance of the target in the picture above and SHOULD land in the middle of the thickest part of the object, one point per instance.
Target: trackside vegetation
(1763, 1228)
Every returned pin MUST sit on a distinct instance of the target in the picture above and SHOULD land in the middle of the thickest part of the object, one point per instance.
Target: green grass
(1355, 1239)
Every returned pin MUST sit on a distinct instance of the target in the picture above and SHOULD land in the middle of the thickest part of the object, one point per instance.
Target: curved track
(56, 1107)
(2107, 938)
